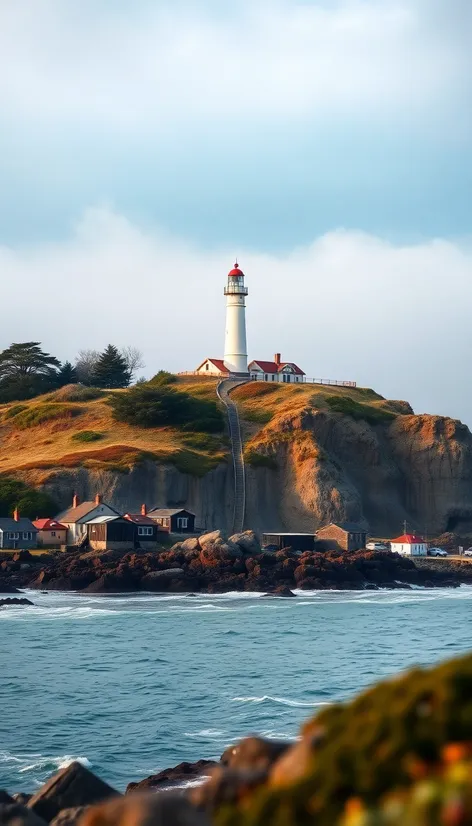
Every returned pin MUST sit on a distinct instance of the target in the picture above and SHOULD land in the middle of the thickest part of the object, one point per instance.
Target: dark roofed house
(111, 533)
(76, 518)
(173, 520)
(346, 536)
(17, 532)
(147, 529)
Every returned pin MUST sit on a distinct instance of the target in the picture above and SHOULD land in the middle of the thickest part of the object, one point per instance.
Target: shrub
(163, 377)
(76, 393)
(358, 411)
(41, 413)
(161, 406)
(87, 436)
(29, 501)
(255, 459)
(13, 411)
(256, 416)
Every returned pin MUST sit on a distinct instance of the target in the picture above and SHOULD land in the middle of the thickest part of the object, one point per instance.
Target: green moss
(359, 411)
(256, 416)
(13, 411)
(87, 436)
(42, 413)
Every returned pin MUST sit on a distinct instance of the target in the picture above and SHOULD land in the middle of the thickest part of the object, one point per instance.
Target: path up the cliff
(223, 390)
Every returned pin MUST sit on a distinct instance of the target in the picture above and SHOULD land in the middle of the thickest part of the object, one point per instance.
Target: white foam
(279, 700)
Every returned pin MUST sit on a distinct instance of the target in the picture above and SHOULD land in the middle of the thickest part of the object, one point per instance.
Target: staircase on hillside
(223, 390)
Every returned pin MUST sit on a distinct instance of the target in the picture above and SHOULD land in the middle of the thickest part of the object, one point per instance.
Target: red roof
(273, 367)
(219, 364)
(48, 525)
(235, 271)
(139, 519)
(408, 539)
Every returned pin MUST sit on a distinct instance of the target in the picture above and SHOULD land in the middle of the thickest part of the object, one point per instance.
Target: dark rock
(112, 584)
(225, 786)
(281, 591)
(253, 753)
(5, 797)
(145, 810)
(6, 588)
(22, 797)
(14, 814)
(15, 601)
(23, 556)
(173, 777)
(69, 788)
(69, 817)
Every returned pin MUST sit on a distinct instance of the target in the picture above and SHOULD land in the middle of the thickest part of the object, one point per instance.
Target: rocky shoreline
(214, 563)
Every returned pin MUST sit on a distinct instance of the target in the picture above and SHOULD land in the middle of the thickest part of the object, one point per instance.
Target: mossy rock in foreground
(404, 743)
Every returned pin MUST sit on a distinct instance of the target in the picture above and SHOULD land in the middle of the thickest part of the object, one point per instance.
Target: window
(53, 533)
(182, 522)
(265, 377)
(145, 531)
(27, 535)
(13, 535)
(207, 366)
(273, 376)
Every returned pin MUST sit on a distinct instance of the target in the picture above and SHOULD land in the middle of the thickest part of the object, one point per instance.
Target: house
(17, 532)
(51, 533)
(111, 533)
(276, 370)
(409, 545)
(173, 520)
(212, 367)
(147, 530)
(346, 536)
(75, 518)
(296, 541)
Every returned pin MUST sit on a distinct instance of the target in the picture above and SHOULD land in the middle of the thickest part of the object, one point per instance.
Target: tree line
(26, 370)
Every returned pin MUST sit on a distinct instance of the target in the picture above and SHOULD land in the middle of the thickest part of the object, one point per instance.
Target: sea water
(133, 684)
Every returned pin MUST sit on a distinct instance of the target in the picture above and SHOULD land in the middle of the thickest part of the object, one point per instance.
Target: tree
(67, 374)
(85, 364)
(111, 370)
(133, 358)
(26, 371)
(161, 406)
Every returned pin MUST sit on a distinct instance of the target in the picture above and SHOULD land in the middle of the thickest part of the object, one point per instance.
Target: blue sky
(273, 130)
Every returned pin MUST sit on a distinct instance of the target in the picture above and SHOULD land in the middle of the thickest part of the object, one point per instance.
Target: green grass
(255, 459)
(13, 411)
(42, 413)
(76, 393)
(256, 416)
(87, 436)
(358, 411)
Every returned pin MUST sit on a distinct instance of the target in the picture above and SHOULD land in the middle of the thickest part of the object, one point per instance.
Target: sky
(325, 143)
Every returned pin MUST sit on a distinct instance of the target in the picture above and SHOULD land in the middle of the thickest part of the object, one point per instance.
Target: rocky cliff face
(317, 465)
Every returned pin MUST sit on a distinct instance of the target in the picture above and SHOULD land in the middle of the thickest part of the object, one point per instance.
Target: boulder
(211, 538)
(5, 798)
(112, 584)
(14, 601)
(191, 544)
(22, 797)
(71, 787)
(6, 588)
(281, 591)
(226, 786)
(254, 753)
(173, 777)
(69, 817)
(145, 810)
(153, 577)
(14, 814)
(23, 556)
(247, 541)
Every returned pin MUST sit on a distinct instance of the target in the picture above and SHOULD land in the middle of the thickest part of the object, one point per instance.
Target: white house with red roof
(409, 545)
(276, 370)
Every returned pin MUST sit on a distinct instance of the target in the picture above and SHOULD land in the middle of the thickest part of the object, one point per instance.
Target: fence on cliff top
(301, 379)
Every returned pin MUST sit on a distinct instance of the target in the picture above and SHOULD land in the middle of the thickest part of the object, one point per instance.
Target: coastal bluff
(313, 455)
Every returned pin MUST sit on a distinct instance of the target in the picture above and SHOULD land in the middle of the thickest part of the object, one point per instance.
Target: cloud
(174, 65)
(348, 306)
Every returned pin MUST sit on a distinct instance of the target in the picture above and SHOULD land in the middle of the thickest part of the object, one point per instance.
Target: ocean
(133, 684)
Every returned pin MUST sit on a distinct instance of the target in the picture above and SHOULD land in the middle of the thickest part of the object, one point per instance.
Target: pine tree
(26, 371)
(111, 370)
(67, 374)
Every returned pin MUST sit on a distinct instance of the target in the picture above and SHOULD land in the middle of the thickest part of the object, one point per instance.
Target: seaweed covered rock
(407, 741)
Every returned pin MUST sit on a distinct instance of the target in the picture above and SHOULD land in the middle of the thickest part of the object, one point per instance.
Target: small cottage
(345, 536)
(296, 541)
(17, 532)
(147, 530)
(212, 367)
(409, 545)
(111, 533)
(173, 520)
(51, 533)
(76, 518)
(276, 370)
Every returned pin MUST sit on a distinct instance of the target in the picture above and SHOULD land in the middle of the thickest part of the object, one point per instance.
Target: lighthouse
(235, 357)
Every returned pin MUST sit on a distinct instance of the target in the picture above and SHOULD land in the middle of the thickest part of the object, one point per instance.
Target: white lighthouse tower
(235, 358)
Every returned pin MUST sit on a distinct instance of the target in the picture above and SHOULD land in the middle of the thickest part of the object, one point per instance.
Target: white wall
(419, 549)
(235, 357)
(212, 370)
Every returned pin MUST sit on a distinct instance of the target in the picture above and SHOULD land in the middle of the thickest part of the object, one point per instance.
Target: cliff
(313, 454)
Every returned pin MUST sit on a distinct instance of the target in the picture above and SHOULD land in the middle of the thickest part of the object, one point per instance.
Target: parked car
(376, 546)
(468, 552)
(437, 552)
